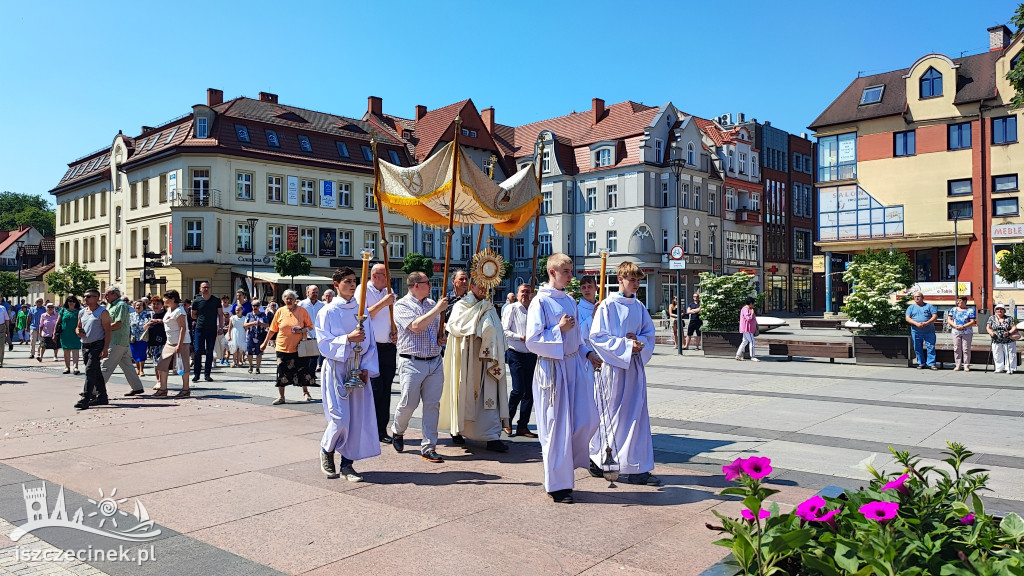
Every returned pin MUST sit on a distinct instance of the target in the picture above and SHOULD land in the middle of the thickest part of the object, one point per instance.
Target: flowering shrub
(721, 298)
(871, 299)
(924, 521)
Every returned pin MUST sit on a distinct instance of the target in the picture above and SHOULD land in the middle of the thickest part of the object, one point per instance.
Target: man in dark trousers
(207, 312)
(520, 361)
(379, 298)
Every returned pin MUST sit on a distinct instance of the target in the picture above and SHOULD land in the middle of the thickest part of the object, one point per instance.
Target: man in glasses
(119, 354)
(94, 331)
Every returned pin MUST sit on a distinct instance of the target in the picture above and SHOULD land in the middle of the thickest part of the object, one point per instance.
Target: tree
(903, 268)
(72, 279)
(721, 298)
(573, 289)
(292, 264)
(873, 299)
(9, 285)
(26, 210)
(1011, 263)
(416, 262)
(542, 269)
(1016, 75)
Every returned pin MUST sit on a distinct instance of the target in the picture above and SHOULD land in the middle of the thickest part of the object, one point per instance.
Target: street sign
(818, 264)
(676, 253)
(677, 264)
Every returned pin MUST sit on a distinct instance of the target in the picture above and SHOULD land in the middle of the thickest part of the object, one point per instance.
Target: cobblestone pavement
(25, 557)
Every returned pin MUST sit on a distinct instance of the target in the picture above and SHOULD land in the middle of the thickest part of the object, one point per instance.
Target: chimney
(421, 111)
(999, 37)
(214, 96)
(268, 97)
(597, 110)
(374, 106)
(740, 117)
(147, 130)
(487, 115)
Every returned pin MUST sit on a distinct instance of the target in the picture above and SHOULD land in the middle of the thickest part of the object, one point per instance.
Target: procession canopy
(423, 193)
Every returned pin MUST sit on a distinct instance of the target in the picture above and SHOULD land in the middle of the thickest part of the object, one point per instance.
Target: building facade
(926, 160)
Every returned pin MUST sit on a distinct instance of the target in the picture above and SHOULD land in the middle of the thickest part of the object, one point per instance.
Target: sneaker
(398, 441)
(350, 474)
(596, 470)
(645, 478)
(82, 404)
(432, 456)
(755, 359)
(278, 401)
(458, 440)
(739, 358)
(327, 464)
(496, 446)
(385, 439)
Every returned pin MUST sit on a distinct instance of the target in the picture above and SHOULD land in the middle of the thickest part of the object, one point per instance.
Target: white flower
(867, 465)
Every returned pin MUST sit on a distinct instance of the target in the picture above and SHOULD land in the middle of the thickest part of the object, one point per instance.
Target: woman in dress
(236, 336)
(1002, 329)
(67, 333)
(290, 325)
(673, 314)
(139, 347)
(157, 335)
(47, 331)
(256, 324)
(175, 355)
(962, 321)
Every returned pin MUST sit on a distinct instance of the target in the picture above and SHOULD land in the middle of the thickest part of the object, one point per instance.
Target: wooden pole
(451, 207)
(480, 237)
(536, 219)
(380, 219)
(490, 174)
(600, 287)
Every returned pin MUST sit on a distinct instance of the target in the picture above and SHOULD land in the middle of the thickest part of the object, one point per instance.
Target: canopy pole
(536, 220)
(490, 174)
(380, 219)
(451, 211)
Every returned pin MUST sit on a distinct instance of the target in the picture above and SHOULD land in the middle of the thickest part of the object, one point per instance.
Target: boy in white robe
(623, 335)
(562, 384)
(351, 417)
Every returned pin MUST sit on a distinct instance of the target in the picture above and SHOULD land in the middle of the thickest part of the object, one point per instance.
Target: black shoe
(496, 446)
(525, 433)
(195, 378)
(458, 440)
(385, 439)
(327, 464)
(208, 379)
(398, 442)
(82, 404)
(561, 496)
(596, 470)
(99, 401)
(135, 392)
(432, 456)
(644, 478)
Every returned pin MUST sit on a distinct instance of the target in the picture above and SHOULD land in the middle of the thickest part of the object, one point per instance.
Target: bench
(766, 323)
(979, 354)
(819, 323)
(830, 350)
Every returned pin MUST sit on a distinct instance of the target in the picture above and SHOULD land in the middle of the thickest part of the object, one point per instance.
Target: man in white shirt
(521, 362)
(379, 298)
(313, 305)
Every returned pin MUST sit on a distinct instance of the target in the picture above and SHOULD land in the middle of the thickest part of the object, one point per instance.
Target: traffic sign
(676, 253)
(677, 264)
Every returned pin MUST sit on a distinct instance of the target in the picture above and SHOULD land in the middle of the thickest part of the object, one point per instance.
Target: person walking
(693, 323)
(94, 330)
(921, 316)
(22, 323)
(379, 298)
(47, 332)
(35, 313)
(236, 337)
(962, 321)
(748, 328)
(313, 305)
(1003, 330)
(6, 339)
(290, 325)
(157, 334)
(175, 354)
(70, 343)
(206, 312)
(120, 354)
(256, 324)
(140, 348)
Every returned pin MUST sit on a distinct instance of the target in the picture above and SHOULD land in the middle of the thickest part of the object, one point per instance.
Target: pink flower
(879, 511)
(734, 470)
(827, 518)
(898, 484)
(757, 467)
(808, 509)
(967, 520)
(750, 515)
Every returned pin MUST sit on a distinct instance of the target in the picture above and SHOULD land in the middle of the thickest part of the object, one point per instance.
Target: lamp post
(677, 168)
(955, 213)
(712, 228)
(252, 257)
(20, 253)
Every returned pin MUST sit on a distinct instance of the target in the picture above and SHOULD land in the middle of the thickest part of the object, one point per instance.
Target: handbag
(308, 347)
(145, 336)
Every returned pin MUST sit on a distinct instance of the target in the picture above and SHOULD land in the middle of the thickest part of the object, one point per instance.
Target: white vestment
(623, 383)
(351, 418)
(585, 313)
(474, 402)
(562, 388)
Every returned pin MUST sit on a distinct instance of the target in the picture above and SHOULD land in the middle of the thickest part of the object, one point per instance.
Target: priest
(351, 417)
(623, 336)
(474, 402)
(562, 383)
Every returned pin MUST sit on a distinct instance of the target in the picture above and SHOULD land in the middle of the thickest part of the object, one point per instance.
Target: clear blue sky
(74, 74)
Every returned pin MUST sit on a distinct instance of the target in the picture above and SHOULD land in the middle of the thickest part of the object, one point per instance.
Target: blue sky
(76, 73)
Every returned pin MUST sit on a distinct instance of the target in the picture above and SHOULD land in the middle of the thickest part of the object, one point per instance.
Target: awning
(275, 278)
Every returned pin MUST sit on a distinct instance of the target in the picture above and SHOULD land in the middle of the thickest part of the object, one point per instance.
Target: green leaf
(733, 491)
(846, 558)
(743, 552)
(1013, 526)
(753, 504)
(961, 509)
(979, 506)
(815, 563)
(791, 540)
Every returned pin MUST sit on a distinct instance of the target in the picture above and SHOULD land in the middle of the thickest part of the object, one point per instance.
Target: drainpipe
(986, 243)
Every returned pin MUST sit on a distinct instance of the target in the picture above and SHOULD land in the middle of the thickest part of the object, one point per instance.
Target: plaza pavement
(235, 486)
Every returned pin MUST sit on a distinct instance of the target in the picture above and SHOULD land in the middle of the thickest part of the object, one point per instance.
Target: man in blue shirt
(921, 317)
(34, 314)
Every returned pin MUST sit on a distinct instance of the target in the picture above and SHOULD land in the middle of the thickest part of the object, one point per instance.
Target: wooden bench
(819, 323)
(979, 354)
(830, 350)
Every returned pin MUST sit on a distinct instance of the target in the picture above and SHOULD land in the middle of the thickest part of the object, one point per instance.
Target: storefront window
(837, 157)
(923, 266)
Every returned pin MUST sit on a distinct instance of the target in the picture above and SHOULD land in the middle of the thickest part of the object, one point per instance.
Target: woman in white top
(236, 336)
(176, 349)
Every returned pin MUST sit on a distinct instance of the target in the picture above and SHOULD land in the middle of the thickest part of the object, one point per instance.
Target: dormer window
(202, 129)
(272, 139)
(304, 144)
(242, 132)
(872, 94)
(602, 158)
(342, 149)
(931, 84)
(367, 154)
(394, 157)
(152, 142)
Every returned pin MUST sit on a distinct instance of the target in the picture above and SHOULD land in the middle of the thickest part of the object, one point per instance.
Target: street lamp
(713, 228)
(677, 168)
(955, 213)
(252, 257)
(20, 253)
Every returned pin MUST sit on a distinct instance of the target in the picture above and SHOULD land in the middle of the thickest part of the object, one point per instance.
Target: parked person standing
(673, 314)
(35, 313)
(748, 328)
(962, 321)
(47, 331)
(693, 323)
(460, 284)
(378, 299)
(140, 348)
(236, 336)
(521, 362)
(94, 330)
(174, 357)
(221, 350)
(120, 354)
(291, 324)
(921, 317)
(68, 333)
(157, 335)
(206, 313)
(1003, 330)
(256, 324)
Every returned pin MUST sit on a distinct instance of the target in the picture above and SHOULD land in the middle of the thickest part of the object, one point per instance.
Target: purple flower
(967, 520)
(879, 511)
(734, 470)
(808, 509)
(762, 514)
(827, 518)
(757, 467)
(899, 484)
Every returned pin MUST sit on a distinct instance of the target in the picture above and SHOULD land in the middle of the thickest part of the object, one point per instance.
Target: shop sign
(1007, 230)
(818, 264)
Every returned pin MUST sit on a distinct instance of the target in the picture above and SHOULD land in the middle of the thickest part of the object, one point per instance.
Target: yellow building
(187, 190)
(926, 160)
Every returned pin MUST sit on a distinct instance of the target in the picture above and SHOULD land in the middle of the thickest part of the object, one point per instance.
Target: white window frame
(193, 235)
(612, 241)
(591, 199)
(244, 185)
(603, 158)
(696, 197)
(730, 199)
(307, 241)
(591, 242)
(659, 150)
(275, 238)
(545, 244)
(545, 161)
(275, 188)
(307, 192)
(344, 243)
(202, 128)
(690, 154)
(428, 243)
(243, 237)
(369, 200)
(611, 196)
(396, 248)
(519, 248)
(696, 242)
(545, 204)
(344, 195)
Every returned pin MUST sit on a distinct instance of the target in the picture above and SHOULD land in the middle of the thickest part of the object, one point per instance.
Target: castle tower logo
(109, 520)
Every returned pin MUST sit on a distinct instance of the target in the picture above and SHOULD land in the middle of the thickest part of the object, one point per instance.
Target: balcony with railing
(196, 198)
(748, 216)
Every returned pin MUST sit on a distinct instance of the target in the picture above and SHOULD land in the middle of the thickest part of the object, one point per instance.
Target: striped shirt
(424, 344)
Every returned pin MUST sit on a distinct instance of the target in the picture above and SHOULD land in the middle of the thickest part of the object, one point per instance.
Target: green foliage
(416, 262)
(1016, 76)
(872, 299)
(542, 269)
(898, 259)
(573, 289)
(9, 286)
(26, 210)
(1011, 264)
(507, 268)
(71, 279)
(721, 298)
(292, 264)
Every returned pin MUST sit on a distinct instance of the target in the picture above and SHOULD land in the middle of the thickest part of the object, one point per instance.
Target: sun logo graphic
(106, 512)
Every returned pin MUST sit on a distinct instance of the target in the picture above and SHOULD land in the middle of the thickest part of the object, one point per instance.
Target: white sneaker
(755, 359)
(350, 474)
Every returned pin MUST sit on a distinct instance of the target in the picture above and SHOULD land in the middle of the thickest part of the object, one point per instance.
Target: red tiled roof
(711, 129)
(12, 237)
(620, 120)
(37, 272)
